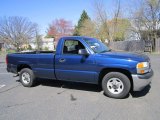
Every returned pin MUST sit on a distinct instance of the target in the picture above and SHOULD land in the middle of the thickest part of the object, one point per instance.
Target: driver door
(70, 66)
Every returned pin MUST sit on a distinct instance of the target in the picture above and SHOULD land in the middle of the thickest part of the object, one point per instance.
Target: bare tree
(117, 10)
(17, 31)
(101, 20)
(105, 29)
(38, 38)
(147, 20)
(116, 16)
(39, 41)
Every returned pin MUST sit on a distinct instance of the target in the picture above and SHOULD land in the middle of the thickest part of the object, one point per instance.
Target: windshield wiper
(105, 51)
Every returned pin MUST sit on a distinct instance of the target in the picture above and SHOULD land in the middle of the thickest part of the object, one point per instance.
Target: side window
(72, 46)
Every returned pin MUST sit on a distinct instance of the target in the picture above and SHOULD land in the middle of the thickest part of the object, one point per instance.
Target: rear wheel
(116, 85)
(27, 77)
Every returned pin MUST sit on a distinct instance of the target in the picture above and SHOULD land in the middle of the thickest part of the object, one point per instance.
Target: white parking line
(1, 86)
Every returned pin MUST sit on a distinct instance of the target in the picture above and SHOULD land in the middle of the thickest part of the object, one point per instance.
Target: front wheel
(27, 77)
(116, 85)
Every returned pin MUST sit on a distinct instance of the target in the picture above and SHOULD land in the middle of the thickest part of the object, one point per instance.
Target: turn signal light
(142, 71)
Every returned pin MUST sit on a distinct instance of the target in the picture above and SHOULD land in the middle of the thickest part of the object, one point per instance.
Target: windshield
(96, 45)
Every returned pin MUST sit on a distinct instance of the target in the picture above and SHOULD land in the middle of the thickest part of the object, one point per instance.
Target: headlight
(142, 67)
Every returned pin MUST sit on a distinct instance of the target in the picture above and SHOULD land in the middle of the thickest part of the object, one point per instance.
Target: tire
(116, 85)
(27, 77)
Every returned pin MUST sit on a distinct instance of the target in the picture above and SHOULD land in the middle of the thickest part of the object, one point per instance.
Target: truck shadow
(142, 93)
(69, 85)
(85, 87)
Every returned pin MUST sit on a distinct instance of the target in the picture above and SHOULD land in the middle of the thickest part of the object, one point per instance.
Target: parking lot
(74, 101)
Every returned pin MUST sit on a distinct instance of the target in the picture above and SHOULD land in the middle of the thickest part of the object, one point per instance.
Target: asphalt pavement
(72, 101)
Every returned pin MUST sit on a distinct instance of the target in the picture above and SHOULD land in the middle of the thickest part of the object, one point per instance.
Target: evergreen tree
(83, 18)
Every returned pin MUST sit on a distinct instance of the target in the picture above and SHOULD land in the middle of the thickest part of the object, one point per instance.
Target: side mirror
(83, 52)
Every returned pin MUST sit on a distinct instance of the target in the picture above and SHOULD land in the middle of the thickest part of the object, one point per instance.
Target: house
(44, 44)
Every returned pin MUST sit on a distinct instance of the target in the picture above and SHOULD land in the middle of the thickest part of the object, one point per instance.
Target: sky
(43, 12)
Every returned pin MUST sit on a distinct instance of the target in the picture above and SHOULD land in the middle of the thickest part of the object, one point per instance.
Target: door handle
(62, 60)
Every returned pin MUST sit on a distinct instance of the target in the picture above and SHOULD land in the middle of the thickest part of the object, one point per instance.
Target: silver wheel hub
(115, 85)
(26, 78)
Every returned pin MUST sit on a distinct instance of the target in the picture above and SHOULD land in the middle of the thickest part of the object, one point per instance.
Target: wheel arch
(121, 70)
(22, 66)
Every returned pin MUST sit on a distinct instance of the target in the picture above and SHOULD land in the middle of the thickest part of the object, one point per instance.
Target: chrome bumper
(141, 81)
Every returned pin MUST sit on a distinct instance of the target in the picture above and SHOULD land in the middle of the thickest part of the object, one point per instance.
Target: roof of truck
(75, 37)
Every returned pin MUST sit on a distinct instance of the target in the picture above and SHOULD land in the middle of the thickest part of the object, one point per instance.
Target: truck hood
(126, 55)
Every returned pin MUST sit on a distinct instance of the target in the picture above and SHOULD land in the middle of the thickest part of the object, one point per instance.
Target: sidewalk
(2, 61)
(2, 58)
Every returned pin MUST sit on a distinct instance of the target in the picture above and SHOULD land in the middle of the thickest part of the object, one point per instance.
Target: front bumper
(141, 81)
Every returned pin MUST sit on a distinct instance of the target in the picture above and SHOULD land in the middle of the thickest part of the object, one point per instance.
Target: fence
(158, 45)
(134, 45)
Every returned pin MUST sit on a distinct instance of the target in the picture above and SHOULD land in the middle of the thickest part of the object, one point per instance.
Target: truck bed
(35, 52)
(41, 62)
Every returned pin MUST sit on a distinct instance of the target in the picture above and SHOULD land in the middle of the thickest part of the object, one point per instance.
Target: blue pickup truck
(86, 60)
